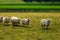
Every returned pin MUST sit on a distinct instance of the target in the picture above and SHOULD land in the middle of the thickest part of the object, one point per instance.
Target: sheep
(25, 21)
(45, 23)
(15, 20)
(6, 20)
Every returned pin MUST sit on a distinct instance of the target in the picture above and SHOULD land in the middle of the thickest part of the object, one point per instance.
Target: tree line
(42, 0)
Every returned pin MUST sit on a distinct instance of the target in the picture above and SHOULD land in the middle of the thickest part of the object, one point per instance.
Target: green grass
(29, 6)
(34, 31)
(21, 2)
(10, 1)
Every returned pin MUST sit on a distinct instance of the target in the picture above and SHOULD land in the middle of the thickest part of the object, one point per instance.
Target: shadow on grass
(16, 26)
(26, 26)
(48, 29)
(20, 26)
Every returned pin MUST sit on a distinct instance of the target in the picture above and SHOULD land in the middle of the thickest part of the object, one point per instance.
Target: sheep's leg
(46, 27)
(4, 24)
(18, 23)
(7, 24)
(13, 24)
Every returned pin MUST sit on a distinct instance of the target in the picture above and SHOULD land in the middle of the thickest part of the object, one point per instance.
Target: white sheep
(5, 20)
(15, 20)
(25, 21)
(45, 23)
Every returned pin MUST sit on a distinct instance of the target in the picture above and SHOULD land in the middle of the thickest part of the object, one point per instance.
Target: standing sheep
(5, 20)
(25, 21)
(45, 23)
(15, 20)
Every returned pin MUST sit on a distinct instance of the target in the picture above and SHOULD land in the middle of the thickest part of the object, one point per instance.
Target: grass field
(19, 4)
(29, 7)
(34, 31)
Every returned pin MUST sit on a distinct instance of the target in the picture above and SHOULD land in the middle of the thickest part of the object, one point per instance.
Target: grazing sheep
(45, 23)
(15, 20)
(6, 20)
(25, 21)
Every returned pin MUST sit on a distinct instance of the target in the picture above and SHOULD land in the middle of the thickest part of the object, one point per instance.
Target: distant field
(21, 2)
(33, 32)
(10, 1)
(20, 5)
(31, 6)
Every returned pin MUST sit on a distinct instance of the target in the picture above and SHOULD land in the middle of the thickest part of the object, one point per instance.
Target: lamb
(45, 23)
(25, 21)
(6, 20)
(15, 20)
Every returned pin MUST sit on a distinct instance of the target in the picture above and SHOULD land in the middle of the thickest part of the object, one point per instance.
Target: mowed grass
(33, 31)
(46, 7)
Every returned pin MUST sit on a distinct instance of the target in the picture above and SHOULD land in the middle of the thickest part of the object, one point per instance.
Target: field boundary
(29, 10)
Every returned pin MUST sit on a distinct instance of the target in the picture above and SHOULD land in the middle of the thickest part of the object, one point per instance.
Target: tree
(27, 0)
(39, 0)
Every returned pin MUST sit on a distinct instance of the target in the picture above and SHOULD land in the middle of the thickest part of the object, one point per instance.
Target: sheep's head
(48, 20)
(28, 19)
(19, 19)
(1, 18)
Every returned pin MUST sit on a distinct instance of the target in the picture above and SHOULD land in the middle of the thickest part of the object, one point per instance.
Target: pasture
(30, 6)
(33, 31)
